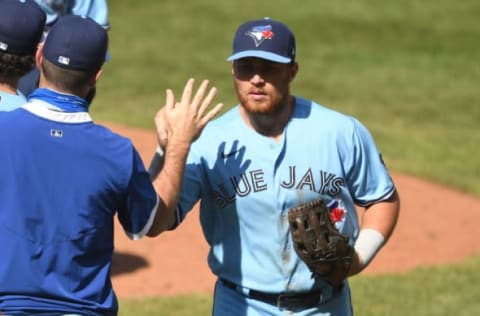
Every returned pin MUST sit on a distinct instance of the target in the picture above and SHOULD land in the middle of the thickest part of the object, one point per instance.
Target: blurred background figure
(94, 9)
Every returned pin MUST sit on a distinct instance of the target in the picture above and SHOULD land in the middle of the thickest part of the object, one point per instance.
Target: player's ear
(93, 79)
(98, 74)
(39, 56)
(293, 70)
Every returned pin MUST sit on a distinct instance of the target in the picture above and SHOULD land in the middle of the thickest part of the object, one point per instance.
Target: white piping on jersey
(148, 225)
(50, 112)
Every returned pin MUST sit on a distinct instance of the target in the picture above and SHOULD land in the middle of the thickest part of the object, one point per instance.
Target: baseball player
(94, 9)
(267, 155)
(63, 180)
(21, 27)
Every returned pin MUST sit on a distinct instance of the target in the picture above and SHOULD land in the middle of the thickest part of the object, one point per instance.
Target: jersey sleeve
(368, 178)
(141, 201)
(94, 9)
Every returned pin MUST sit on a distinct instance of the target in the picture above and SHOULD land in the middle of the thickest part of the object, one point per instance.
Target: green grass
(444, 290)
(429, 291)
(182, 305)
(407, 69)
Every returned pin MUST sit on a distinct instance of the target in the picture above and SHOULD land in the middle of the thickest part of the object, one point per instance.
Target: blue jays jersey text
(248, 182)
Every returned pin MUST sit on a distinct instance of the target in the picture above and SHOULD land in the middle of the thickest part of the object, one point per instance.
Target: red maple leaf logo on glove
(337, 214)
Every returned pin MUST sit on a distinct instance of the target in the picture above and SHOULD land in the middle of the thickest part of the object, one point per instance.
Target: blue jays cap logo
(260, 33)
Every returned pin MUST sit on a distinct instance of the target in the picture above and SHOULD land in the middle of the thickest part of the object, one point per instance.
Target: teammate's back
(63, 180)
(72, 178)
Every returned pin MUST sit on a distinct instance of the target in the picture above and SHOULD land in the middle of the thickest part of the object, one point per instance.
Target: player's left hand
(325, 251)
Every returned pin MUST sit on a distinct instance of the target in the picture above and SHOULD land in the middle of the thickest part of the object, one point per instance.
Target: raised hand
(183, 121)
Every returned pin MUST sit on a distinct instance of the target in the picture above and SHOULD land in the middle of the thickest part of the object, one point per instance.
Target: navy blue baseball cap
(76, 42)
(21, 26)
(267, 39)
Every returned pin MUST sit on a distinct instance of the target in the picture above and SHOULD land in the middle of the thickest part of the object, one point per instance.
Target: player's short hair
(68, 80)
(13, 66)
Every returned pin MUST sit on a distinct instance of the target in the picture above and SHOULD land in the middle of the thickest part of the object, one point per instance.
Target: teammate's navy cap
(77, 43)
(266, 39)
(21, 26)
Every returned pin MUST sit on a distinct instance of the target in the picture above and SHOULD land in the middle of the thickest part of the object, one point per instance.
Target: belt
(286, 300)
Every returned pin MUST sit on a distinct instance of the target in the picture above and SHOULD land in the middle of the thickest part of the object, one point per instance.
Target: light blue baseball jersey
(63, 181)
(95, 9)
(9, 102)
(247, 183)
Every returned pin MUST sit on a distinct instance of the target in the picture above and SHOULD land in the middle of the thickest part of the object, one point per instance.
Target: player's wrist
(177, 146)
(367, 245)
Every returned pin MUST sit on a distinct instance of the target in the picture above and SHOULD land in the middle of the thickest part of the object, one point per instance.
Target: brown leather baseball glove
(325, 251)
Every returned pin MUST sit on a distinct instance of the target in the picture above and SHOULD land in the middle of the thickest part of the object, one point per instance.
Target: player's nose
(257, 78)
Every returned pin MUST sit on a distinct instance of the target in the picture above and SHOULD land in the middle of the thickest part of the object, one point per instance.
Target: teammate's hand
(183, 121)
(162, 128)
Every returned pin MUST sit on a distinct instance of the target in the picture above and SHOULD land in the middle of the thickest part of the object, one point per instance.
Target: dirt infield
(428, 233)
